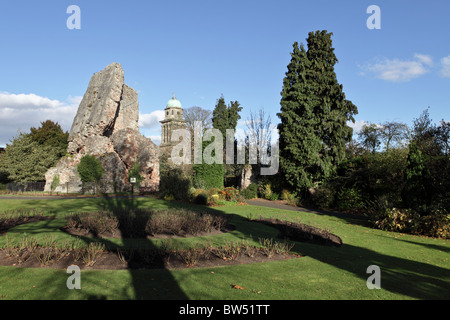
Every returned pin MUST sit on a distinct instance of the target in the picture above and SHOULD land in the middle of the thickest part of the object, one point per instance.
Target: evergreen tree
(299, 145)
(414, 193)
(314, 114)
(90, 169)
(331, 108)
(51, 134)
(29, 155)
(226, 117)
(25, 160)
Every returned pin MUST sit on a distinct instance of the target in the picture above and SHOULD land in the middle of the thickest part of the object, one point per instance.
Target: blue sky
(202, 49)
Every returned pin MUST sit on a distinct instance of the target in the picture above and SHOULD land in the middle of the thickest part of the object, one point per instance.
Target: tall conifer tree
(314, 114)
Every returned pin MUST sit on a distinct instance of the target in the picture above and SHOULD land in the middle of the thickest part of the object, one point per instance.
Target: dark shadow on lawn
(428, 245)
(398, 275)
(142, 281)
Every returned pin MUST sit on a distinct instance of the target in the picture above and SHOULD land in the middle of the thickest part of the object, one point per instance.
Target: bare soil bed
(147, 259)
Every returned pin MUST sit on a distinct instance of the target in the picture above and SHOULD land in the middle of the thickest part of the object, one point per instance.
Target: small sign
(133, 180)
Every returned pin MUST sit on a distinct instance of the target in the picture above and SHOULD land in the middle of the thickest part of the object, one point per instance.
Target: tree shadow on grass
(428, 245)
(144, 286)
(398, 275)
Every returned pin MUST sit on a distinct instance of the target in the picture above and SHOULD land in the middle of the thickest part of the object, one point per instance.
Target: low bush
(435, 224)
(265, 191)
(274, 196)
(349, 199)
(251, 192)
(287, 196)
(99, 222)
(323, 197)
(229, 194)
(202, 199)
(143, 223)
(175, 184)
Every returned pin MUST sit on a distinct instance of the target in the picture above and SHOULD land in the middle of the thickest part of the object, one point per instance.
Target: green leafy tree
(25, 160)
(314, 115)
(414, 193)
(90, 169)
(393, 132)
(443, 137)
(51, 134)
(370, 137)
(424, 134)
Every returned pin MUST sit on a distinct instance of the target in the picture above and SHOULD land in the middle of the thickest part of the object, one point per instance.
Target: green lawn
(412, 267)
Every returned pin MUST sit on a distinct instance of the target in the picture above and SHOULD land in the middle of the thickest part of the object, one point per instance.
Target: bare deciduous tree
(393, 132)
(193, 114)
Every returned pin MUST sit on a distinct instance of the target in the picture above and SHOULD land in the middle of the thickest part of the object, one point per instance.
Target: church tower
(173, 119)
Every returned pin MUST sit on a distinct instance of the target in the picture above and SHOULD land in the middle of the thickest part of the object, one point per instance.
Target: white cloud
(20, 112)
(424, 58)
(397, 70)
(151, 120)
(445, 63)
(155, 139)
(357, 126)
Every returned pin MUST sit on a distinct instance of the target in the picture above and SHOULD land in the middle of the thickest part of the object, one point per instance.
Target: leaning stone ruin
(106, 126)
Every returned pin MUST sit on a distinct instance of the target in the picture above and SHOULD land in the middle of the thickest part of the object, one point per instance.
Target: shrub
(323, 197)
(229, 194)
(265, 191)
(55, 182)
(141, 223)
(274, 196)
(175, 183)
(250, 192)
(349, 198)
(394, 219)
(435, 224)
(287, 196)
(90, 169)
(201, 198)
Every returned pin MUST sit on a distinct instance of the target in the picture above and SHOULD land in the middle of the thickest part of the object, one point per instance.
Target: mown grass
(412, 267)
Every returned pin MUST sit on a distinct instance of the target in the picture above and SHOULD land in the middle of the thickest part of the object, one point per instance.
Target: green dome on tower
(174, 103)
